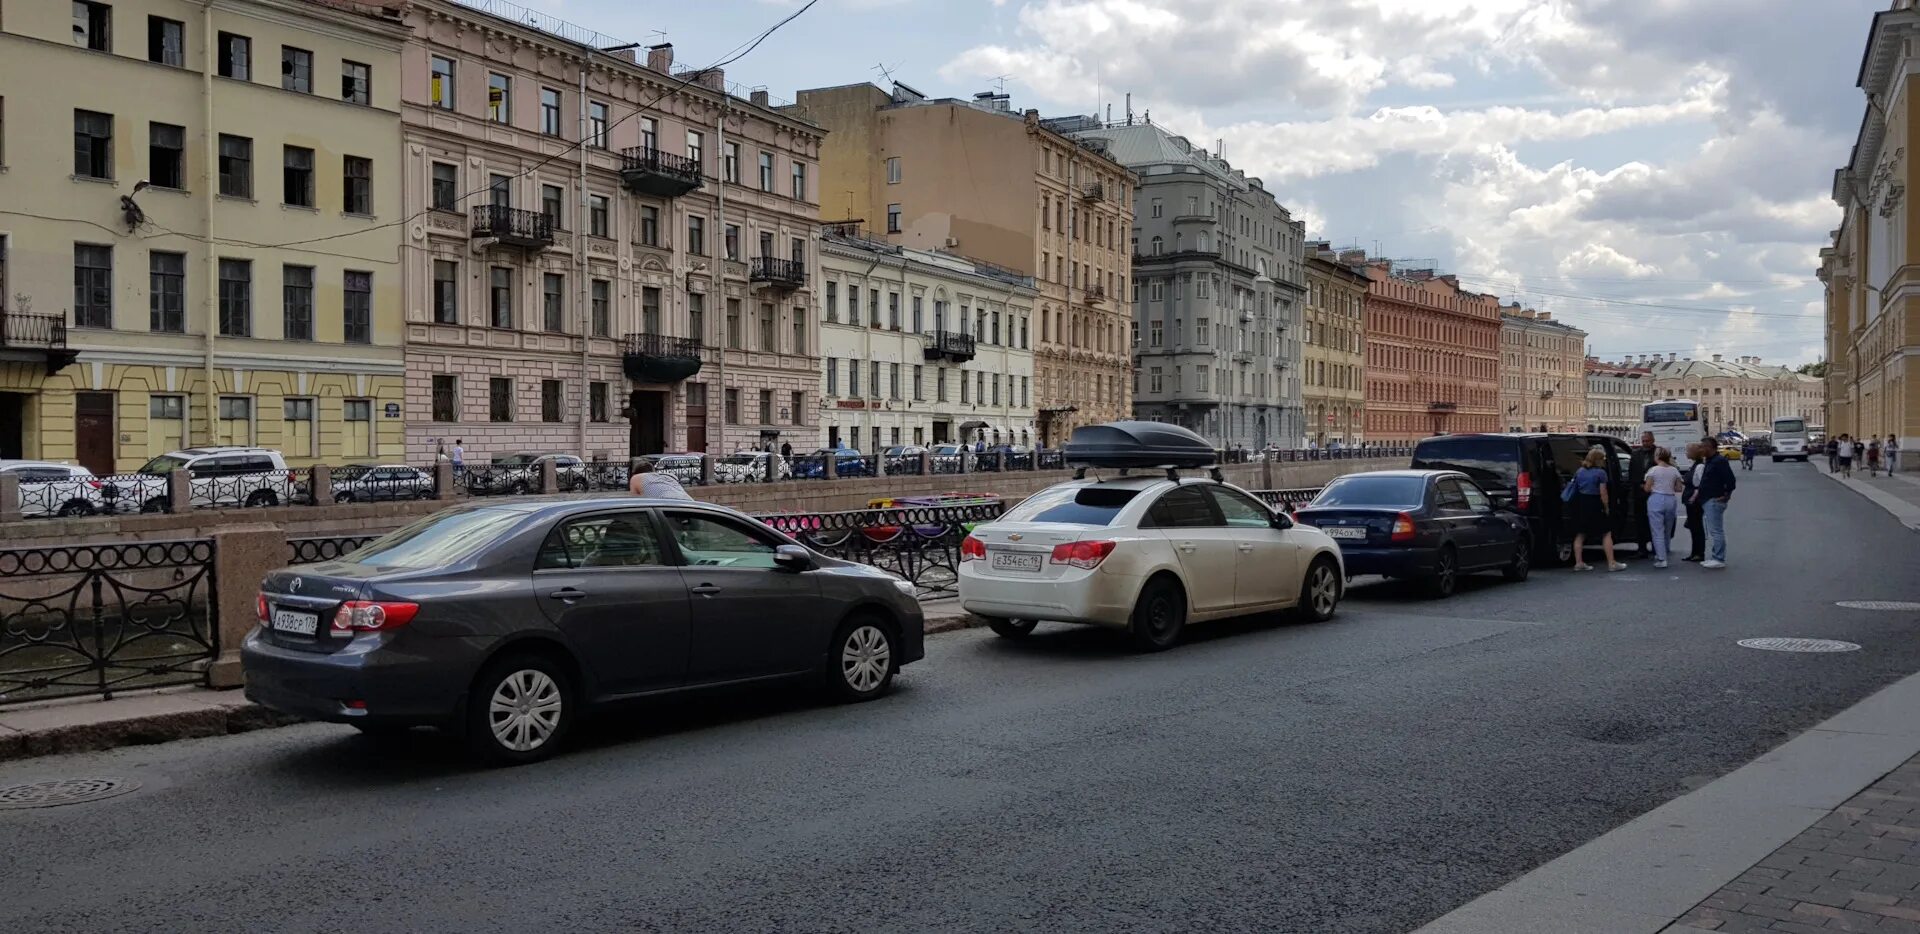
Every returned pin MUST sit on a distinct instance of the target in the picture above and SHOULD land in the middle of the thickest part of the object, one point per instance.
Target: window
(357, 181)
(800, 180)
(552, 399)
(166, 292)
(1185, 507)
(732, 409)
(446, 187)
(1158, 246)
(166, 155)
(550, 111)
(853, 378)
(919, 322)
(733, 323)
(601, 292)
(649, 133)
(92, 144)
(766, 406)
(649, 225)
(358, 414)
(799, 330)
(596, 402)
(236, 420)
(499, 98)
(799, 407)
(553, 203)
(893, 170)
(356, 82)
(236, 166)
(597, 125)
(940, 385)
(649, 310)
(721, 542)
(236, 298)
(446, 397)
(768, 341)
(730, 163)
(833, 376)
(499, 399)
(92, 286)
(696, 235)
(297, 176)
(966, 389)
(553, 288)
(797, 251)
(620, 540)
(1204, 326)
(500, 297)
(446, 291)
(166, 41)
(853, 304)
(597, 215)
(296, 300)
(440, 88)
(697, 316)
(766, 171)
(1153, 379)
(356, 308)
(893, 381)
(236, 56)
(296, 433)
(1155, 333)
(873, 381)
(93, 25)
(296, 69)
(696, 148)
(893, 218)
(732, 238)
(766, 244)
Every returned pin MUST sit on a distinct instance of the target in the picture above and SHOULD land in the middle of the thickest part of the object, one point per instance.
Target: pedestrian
(1749, 452)
(1833, 455)
(1696, 520)
(1642, 461)
(786, 450)
(1591, 510)
(1663, 487)
(653, 484)
(1892, 451)
(1873, 456)
(1714, 492)
(1846, 455)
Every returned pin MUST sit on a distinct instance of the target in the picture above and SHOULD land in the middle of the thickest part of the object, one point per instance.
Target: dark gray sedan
(505, 621)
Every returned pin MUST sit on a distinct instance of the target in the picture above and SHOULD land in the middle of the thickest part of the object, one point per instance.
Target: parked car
(751, 467)
(1144, 554)
(217, 476)
(378, 482)
(53, 489)
(682, 467)
(847, 463)
(1426, 525)
(1528, 470)
(521, 473)
(504, 621)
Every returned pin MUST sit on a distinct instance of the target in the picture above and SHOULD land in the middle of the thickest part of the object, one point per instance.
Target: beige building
(1615, 394)
(1741, 393)
(211, 255)
(1543, 372)
(651, 290)
(1334, 339)
(975, 178)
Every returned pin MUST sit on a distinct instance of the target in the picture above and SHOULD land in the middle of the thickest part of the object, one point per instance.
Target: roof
(1408, 472)
(1724, 369)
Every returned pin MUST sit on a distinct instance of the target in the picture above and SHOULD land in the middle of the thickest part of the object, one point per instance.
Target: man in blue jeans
(1713, 493)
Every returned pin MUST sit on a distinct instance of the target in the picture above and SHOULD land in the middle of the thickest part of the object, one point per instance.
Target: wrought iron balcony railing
(657, 358)
(649, 171)
(782, 273)
(513, 226)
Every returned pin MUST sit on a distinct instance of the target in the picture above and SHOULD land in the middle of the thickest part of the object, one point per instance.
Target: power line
(1654, 305)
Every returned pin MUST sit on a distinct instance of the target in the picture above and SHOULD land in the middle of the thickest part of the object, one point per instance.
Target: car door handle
(705, 590)
(1186, 548)
(568, 595)
(1246, 547)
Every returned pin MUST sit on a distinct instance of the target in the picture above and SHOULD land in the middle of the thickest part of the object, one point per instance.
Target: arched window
(1157, 246)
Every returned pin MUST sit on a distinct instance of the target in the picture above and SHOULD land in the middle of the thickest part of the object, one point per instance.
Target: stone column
(832, 467)
(549, 477)
(320, 484)
(9, 497)
(242, 556)
(179, 492)
(706, 470)
(880, 463)
(926, 463)
(443, 481)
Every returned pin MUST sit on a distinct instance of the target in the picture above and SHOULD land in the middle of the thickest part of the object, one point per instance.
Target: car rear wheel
(343, 497)
(156, 504)
(1158, 616)
(1446, 574)
(860, 665)
(1012, 628)
(78, 507)
(1522, 563)
(1320, 591)
(262, 498)
(520, 709)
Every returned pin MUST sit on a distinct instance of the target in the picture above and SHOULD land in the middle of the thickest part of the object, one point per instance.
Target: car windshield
(1789, 424)
(741, 459)
(515, 460)
(163, 465)
(350, 471)
(437, 540)
(1373, 491)
(1077, 505)
(1491, 462)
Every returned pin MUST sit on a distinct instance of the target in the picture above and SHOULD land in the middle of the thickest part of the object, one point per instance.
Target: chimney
(660, 58)
(1546, 316)
(759, 97)
(627, 55)
(1716, 358)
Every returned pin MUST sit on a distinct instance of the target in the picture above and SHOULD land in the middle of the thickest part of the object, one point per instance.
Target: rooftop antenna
(1129, 108)
(1000, 83)
(886, 71)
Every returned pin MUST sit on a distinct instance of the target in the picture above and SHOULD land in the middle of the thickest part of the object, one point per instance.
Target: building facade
(922, 347)
(211, 256)
(1742, 393)
(1217, 290)
(609, 255)
(1334, 343)
(975, 178)
(1543, 372)
(1433, 353)
(1615, 393)
(1872, 386)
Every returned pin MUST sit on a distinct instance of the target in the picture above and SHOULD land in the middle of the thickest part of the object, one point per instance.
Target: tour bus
(1790, 439)
(1675, 423)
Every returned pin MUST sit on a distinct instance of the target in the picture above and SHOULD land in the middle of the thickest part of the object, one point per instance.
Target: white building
(1740, 393)
(921, 347)
(1615, 394)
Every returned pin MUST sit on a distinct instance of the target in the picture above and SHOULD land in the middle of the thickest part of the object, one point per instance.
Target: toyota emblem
(294, 586)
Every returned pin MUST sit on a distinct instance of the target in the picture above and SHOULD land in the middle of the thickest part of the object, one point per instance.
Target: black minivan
(1529, 469)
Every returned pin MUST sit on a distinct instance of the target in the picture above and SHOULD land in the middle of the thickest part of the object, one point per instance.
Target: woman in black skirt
(1590, 511)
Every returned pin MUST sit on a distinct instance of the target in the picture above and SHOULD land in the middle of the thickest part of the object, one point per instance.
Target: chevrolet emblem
(1014, 537)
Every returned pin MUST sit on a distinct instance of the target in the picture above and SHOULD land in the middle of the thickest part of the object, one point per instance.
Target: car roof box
(1138, 444)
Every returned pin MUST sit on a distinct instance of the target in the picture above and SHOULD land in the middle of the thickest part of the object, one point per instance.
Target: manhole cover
(1878, 605)
(65, 791)
(1798, 645)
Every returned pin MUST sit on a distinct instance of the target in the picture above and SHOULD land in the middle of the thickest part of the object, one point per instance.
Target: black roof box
(1138, 444)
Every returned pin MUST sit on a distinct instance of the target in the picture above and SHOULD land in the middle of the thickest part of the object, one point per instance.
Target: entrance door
(648, 434)
(93, 431)
(13, 425)
(942, 432)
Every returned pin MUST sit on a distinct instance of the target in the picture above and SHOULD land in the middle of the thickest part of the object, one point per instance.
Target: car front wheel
(861, 667)
(1158, 616)
(520, 709)
(1320, 591)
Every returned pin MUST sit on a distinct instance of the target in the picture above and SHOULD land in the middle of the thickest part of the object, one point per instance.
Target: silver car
(50, 489)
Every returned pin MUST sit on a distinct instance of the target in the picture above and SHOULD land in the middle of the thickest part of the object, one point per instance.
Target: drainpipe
(717, 437)
(209, 187)
(580, 263)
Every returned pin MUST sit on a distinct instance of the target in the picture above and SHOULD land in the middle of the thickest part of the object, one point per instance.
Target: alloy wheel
(865, 659)
(525, 710)
(1324, 590)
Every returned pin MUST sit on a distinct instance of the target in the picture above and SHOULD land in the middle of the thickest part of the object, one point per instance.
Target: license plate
(305, 624)
(1016, 562)
(1351, 534)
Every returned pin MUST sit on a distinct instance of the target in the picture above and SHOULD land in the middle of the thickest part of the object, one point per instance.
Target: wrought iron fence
(1288, 500)
(611, 476)
(94, 619)
(57, 492)
(902, 465)
(260, 488)
(499, 480)
(1052, 460)
(921, 543)
(326, 547)
(362, 483)
(949, 463)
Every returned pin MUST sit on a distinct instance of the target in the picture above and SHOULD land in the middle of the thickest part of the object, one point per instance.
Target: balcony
(951, 346)
(1243, 356)
(779, 273)
(1094, 192)
(656, 358)
(1442, 408)
(35, 339)
(647, 171)
(529, 230)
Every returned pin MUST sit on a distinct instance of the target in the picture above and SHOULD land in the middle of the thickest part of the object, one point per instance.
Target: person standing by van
(1663, 488)
(1714, 492)
(1591, 515)
(1696, 521)
(1645, 455)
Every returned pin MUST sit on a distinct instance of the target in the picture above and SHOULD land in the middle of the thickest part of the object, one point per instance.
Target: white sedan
(1147, 555)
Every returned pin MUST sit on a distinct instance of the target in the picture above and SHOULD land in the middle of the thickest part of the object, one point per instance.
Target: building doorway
(942, 432)
(13, 425)
(93, 434)
(697, 418)
(647, 423)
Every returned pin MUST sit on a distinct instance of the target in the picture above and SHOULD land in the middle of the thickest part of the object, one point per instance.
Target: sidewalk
(1898, 493)
(84, 724)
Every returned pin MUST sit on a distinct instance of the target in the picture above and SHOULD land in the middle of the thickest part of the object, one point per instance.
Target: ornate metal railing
(263, 488)
(921, 543)
(513, 225)
(781, 272)
(1288, 500)
(326, 547)
(94, 619)
(1052, 460)
(902, 465)
(949, 463)
(379, 485)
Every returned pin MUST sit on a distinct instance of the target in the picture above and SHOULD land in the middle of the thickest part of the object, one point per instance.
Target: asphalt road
(1362, 775)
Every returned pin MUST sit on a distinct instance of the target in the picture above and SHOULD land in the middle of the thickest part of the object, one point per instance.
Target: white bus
(1790, 439)
(1675, 423)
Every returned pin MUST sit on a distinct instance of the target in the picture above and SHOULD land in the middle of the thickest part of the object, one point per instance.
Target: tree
(1816, 370)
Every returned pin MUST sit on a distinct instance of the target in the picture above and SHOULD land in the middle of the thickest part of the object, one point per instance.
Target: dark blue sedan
(1425, 525)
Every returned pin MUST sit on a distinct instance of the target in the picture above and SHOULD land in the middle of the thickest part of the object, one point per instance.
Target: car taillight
(1403, 528)
(260, 607)
(1083, 555)
(371, 616)
(971, 548)
(94, 483)
(1523, 490)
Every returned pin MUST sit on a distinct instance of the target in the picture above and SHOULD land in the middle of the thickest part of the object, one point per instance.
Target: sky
(1656, 172)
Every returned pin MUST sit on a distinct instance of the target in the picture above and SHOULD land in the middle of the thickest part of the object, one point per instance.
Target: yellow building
(1334, 343)
(1543, 372)
(211, 257)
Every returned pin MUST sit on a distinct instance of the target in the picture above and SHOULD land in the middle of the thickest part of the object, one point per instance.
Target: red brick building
(1433, 354)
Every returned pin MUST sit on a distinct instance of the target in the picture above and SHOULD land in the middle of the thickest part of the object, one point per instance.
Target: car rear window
(1373, 491)
(1491, 462)
(1077, 505)
(437, 540)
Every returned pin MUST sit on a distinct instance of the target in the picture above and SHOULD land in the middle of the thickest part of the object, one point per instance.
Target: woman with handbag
(1587, 491)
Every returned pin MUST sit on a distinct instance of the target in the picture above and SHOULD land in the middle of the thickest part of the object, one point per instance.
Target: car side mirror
(792, 558)
(1281, 521)
(1501, 499)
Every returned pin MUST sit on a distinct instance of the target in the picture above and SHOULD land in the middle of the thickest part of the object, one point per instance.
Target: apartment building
(1739, 393)
(1615, 393)
(611, 255)
(1543, 371)
(1333, 338)
(1433, 358)
(922, 346)
(976, 178)
(211, 255)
